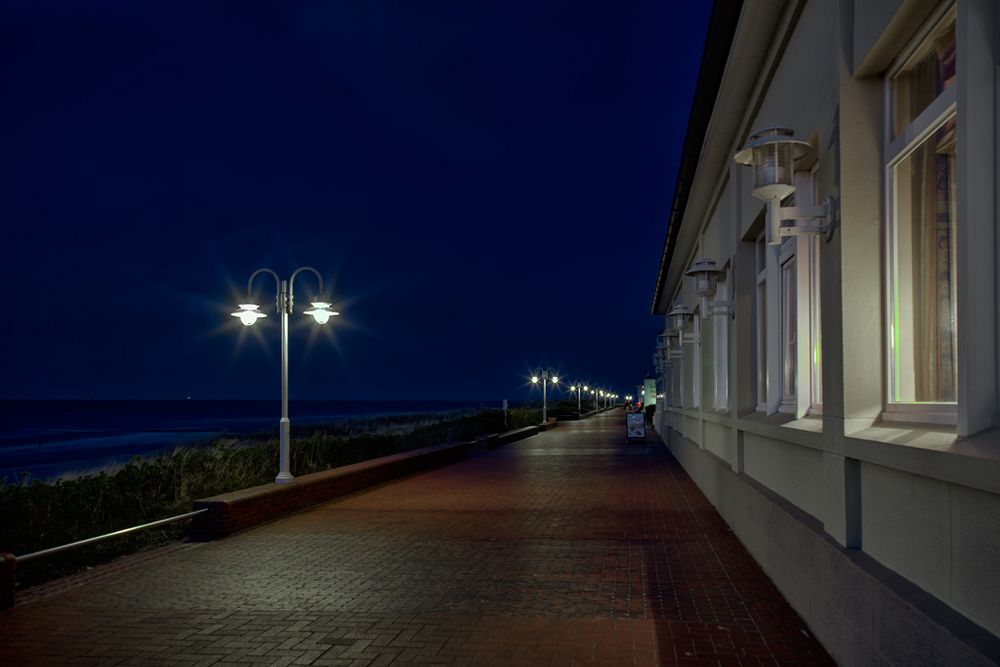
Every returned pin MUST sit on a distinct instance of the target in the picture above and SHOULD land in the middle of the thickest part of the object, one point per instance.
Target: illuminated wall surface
(649, 392)
(840, 412)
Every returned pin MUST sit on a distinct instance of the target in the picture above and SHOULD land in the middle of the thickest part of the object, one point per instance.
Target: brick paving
(566, 548)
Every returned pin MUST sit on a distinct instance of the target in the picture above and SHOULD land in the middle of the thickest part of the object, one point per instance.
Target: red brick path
(568, 547)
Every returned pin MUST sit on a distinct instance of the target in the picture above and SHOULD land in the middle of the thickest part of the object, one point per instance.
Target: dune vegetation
(39, 514)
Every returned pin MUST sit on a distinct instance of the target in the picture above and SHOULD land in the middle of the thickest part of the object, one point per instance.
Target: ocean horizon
(54, 438)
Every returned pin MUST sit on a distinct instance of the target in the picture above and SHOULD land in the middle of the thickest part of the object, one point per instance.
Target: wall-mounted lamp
(663, 349)
(772, 152)
(706, 274)
(680, 315)
(666, 346)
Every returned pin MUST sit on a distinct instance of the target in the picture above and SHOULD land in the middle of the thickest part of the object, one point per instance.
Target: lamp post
(578, 388)
(249, 313)
(547, 375)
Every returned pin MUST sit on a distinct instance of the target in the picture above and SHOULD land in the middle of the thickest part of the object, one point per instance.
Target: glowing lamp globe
(534, 379)
(555, 380)
(248, 313)
(321, 312)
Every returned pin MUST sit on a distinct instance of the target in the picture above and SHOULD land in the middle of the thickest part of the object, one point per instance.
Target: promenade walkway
(568, 547)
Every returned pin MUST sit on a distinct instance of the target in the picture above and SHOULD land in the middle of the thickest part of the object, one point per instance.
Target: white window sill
(811, 423)
(930, 451)
(913, 434)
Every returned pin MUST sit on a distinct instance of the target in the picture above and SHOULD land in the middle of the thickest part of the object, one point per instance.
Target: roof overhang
(740, 38)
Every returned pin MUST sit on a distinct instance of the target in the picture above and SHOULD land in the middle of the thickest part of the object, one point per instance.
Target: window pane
(788, 326)
(720, 342)
(761, 342)
(924, 333)
(926, 74)
(816, 338)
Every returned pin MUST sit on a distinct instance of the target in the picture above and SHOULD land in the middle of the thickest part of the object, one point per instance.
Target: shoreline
(56, 459)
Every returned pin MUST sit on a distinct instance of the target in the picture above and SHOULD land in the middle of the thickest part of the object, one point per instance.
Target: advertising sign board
(636, 426)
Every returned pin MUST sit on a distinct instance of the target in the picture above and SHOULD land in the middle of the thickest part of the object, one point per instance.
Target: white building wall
(824, 502)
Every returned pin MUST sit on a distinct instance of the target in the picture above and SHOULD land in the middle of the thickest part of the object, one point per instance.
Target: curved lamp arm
(277, 280)
(291, 281)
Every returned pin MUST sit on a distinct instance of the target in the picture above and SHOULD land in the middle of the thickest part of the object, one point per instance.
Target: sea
(67, 438)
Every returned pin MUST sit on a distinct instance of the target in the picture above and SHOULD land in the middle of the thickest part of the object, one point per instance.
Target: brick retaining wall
(232, 512)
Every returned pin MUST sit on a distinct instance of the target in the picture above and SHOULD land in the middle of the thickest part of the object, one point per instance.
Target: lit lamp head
(772, 152)
(534, 379)
(248, 313)
(555, 380)
(706, 274)
(680, 314)
(321, 312)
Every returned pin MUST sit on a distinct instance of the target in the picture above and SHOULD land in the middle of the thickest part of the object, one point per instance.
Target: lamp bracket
(722, 309)
(808, 220)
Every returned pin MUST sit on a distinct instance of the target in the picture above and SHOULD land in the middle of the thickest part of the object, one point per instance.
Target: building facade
(836, 396)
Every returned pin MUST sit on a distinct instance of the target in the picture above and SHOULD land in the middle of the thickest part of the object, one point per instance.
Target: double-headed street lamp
(547, 375)
(249, 313)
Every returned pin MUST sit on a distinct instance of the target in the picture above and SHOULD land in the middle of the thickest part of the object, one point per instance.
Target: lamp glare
(248, 313)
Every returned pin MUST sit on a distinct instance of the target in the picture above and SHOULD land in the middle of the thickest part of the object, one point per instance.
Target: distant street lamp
(249, 313)
(547, 375)
(578, 387)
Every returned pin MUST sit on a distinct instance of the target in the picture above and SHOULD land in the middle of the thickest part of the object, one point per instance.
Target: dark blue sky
(486, 182)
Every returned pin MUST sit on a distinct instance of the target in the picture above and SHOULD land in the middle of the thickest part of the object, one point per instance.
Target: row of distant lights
(555, 380)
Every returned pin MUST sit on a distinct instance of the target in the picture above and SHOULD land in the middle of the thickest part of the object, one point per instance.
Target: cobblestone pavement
(569, 547)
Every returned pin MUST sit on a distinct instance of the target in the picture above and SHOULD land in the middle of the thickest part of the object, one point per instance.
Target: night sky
(486, 185)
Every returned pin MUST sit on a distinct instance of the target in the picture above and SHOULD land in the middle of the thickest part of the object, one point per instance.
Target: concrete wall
(863, 613)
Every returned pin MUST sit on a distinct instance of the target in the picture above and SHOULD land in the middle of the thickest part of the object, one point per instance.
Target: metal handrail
(91, 540)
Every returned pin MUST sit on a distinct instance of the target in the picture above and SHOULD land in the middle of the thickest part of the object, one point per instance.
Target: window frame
(788, 325)
(761, 251)
(720, 344)
(772, 394)
(695, 342)
(809, 369)
(940, 111)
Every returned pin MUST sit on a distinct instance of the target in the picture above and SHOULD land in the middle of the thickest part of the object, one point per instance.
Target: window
(695, 357)
(789, 327)
(761, 312)
(922, 281)
(789, 365)
(805, 347)
(677, 377)
(815, 351)
(720, 345)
